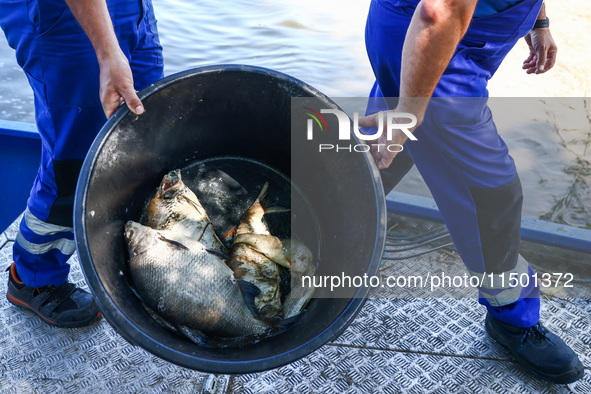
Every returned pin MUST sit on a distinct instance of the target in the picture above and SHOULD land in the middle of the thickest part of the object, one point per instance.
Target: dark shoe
(538, 350)
(63, 306)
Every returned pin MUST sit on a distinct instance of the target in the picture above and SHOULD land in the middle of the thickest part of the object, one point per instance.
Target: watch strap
(541, 23)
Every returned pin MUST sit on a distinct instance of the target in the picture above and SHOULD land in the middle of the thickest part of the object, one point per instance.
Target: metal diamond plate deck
(395, 345)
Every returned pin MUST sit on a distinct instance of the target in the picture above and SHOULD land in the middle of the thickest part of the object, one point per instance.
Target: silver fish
(188, 284)
(176, 208)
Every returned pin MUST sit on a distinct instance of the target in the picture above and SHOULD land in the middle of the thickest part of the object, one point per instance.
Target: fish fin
(276, 209)
(196, 204)
(194, 335)
(265, 203)
(230, 233)
(173, 243)
(219, 253)
(297, 300)
(209, 341)
(263, 193)
(159, 319)
(288, 322)
(262, 197)
(249, 292)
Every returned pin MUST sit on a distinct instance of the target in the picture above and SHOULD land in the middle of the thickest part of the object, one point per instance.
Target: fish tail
(266, 204)
(263, 194)
(252, 220)
(297, 299)
(262, 200)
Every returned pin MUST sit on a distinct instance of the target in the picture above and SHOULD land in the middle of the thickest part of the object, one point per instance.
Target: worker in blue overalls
(434, 59)
(70, 50)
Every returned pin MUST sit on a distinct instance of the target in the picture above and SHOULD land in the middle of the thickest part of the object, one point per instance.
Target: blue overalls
(459, 153)
(61, 66)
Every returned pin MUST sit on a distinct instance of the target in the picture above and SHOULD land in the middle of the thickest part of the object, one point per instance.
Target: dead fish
(189, 285)
(254, 267)
(252, 221)
(289, 253)
(301, 264)
(268, 245)
(176, 208)
(258, 270)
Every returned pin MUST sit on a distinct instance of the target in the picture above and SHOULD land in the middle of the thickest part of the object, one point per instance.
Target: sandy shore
(570, 24)
(559, 133)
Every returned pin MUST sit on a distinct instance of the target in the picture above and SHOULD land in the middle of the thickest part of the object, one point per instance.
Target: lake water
(321, 43)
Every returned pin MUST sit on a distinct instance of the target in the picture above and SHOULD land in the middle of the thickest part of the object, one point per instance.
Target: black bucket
(205, 113)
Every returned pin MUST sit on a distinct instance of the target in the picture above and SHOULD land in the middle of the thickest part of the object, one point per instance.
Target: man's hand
(381, 154)
(116, 80)
(116, 86)
(542, 51)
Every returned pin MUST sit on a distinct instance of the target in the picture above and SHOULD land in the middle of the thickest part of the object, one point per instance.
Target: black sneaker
(538, 350)
(63, 306)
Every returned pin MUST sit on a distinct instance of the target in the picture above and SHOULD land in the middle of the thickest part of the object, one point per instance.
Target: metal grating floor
(395, 345)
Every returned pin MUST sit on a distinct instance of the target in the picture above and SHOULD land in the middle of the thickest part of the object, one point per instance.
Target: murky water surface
(321, 43)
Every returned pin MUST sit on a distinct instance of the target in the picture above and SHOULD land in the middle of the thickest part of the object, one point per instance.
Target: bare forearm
(542, 48)
(94, 18)
(433, 35)
(116, 78)
(542, 13)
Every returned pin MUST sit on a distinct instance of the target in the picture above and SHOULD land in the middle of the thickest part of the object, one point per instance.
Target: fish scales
(187, 285)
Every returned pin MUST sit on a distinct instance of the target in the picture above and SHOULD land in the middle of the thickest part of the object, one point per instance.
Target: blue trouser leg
(63, 71)
(459, 153)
